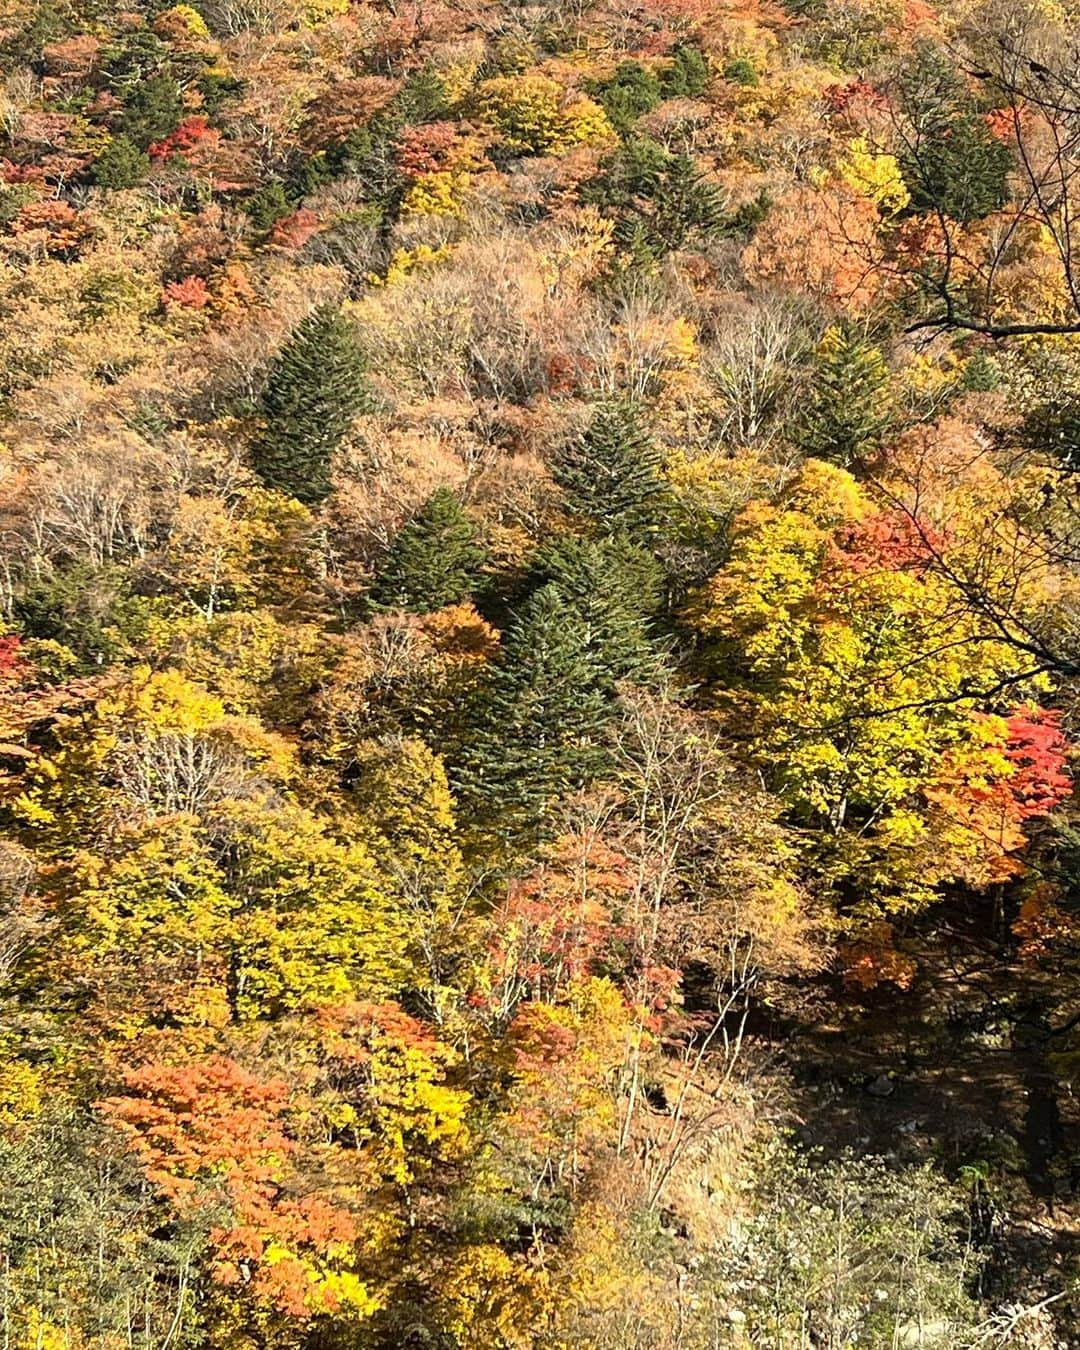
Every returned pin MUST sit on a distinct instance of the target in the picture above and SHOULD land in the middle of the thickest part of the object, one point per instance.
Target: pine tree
(612, 473)
(537, 723)
(614, 586)
(434, 560)
(315, 389)
(849, 410)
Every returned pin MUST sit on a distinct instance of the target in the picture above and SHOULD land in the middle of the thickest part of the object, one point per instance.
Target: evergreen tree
(152, 109)
(614, 586)
(686, 206)
(120, 165)
(315, 389)
(266, 207)
(538, 721)
(423, 98)
(434, 560)
(632, 91)
(954, 164)
(849, 409)
(612, 473)
(688, 74)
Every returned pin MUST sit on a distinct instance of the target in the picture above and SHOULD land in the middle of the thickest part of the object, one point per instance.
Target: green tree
(952, 163)
(153, 108)
(645, 185)
(537, 722)
(266, 207)
(865, 1252)
(849, 408)
(688, 74)
(614, 585)
(315, 388)
(121, 164)
(92, 610)
(88, 1258)
(686, 206)
(611, 474)
(632, 91)
(433, 561)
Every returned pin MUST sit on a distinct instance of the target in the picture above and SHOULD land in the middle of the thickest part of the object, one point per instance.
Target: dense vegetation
(538, 677)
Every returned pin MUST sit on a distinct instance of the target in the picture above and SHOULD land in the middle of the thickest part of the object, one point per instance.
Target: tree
(632, 91)
(664, 198)
(612, 473)
(315, 389)
(857, 1250)
(433, 561)
(856, 669)
(537, 722)
(615, 588)
(952, 163)
(848, 409)
(152, 109)
(214, 1138)
(121, 164)
(88, 1257)
(688, 74)
(406, 814)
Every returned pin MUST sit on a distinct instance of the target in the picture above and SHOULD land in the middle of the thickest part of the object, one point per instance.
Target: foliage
(433, 561)
(313, 392)
(540, 620)
(952, 161)
(848, 412)
(535, 733)
(612, 473)
(858, 1251)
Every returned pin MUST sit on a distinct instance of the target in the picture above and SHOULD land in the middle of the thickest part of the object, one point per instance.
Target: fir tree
(423, 98)
(614, 586)
(316, 387)
(152, 109)
(686, 206)
(266, 207)
(612, 473)
(434, 560)
(688, 74)
(954, 164)
(849, 409)
(120, 165)
(632, 91)
(538, 722)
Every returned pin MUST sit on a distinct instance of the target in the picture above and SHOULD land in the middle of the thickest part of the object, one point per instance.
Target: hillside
(539, 636)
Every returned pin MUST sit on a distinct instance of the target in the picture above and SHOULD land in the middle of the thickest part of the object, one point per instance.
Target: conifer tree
(612, 473)
(537, 722)
(614, 586)
(316, 387)
(688, 74)
(434, 559)
(153, 108)
(953, 163)
(686, 206)
(849, 410)
(120, 165)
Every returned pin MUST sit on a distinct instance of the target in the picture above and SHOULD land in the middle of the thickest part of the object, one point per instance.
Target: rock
(881, 1086)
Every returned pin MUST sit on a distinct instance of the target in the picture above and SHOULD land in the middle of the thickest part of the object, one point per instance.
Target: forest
(539, 674)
